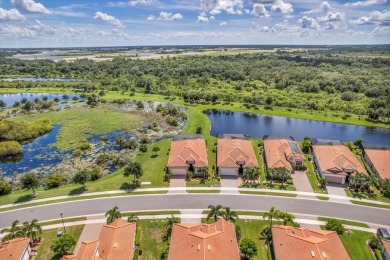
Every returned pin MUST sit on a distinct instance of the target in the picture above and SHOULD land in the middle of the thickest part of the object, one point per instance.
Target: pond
(10, 99)
(42, 155)
(43, 79)
(256, 126)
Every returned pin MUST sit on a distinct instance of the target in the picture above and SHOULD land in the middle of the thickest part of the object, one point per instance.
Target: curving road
(198, 201)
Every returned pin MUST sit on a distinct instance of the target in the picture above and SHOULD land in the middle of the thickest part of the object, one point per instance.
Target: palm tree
(371, 180)
(283, 172)
(113, 214)
(385, 184)
(323, 183)
(286, 217)
(132, 218)
(272, 214)
(215, 212)
(229, 215)
(271, 174)
(32, 228)
(170, 222)
(13, 232)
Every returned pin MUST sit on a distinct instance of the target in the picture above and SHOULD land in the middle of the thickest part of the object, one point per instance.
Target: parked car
(383, 233)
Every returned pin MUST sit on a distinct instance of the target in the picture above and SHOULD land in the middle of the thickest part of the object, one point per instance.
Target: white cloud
(264, 28)
(142, 2)
(260, 11)
(308, 22)
(382, 31)
(42, 29)
(332, 17)
(165, 16)
(16, 31)
(223, 23)
(217, 6)
(366, 3)
(202, 18)
(108, 18)
(375, 17)
(30, 6)
(10, 15)
(282, 7)
(324, 7)
(194, 35)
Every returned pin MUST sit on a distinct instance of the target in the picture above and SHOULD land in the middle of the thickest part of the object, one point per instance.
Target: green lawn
(355, 244)
(44, 252)
(259, 159)
(79, 123)
(152, 243)
(312, 177)
(346, 222)
(268, 193)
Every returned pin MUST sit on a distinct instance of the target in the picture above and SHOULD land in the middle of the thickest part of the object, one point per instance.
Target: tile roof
(14, 249)
(307, 244)
(230, 151)
(335, 159)
(186, 150)
(381, 161)
(277, 150)
(204, 241)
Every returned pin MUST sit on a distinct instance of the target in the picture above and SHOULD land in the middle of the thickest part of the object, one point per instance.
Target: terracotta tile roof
(381, 161)
(186, 150)
(87, 250)
(230, 151)
(307, 244)
(204, 241)
(13, 249)
(386, 245)
(334, 159)
(116, 241)
(277, 150)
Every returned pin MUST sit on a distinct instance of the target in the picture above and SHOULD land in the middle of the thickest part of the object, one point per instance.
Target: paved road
(198, 201)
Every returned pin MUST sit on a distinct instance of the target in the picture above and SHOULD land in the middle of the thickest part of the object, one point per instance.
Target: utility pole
(63, 224)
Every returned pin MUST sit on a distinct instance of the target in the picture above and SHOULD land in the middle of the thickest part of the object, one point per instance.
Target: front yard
(356, 246)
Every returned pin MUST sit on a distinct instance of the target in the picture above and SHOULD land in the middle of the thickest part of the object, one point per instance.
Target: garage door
(178, 171)
(228, 171)
(334, 179)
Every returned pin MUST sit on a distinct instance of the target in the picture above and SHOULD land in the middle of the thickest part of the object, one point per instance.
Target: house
(282, 152)
(188, 153)
(385, 249)
(234, 155)
(204, 241)
(335, 161)
(116, 241)
(378, 158)
(16, 249)
(306, 244)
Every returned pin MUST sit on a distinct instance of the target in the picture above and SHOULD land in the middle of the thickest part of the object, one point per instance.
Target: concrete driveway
(337, 190)
(177, 182)
(301, 183)
(229, 182)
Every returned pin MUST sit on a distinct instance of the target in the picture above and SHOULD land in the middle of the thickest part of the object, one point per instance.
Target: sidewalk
(230, 190)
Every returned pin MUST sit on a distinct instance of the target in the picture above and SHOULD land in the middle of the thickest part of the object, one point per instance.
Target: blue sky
(78, 23)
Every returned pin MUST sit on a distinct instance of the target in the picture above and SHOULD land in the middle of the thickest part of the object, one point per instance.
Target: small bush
(10, 149)
(84, 146)
(5, 187)
(55, 180)
(143, 148)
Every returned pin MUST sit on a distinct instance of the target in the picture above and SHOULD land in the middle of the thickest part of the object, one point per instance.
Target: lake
(10, 99)
(257, 125)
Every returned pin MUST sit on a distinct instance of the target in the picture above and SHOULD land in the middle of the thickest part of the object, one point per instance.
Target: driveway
(301, 183)
(90, 232)
(178, 184)
(229, 182)
(337, 190)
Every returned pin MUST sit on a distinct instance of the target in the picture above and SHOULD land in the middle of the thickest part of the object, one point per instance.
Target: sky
(88, 23)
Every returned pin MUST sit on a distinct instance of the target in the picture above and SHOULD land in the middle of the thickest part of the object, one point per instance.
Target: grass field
(312, 177)
(355, 244)
(44, 252)
(80, 123)
(152, 244)
(346, 222)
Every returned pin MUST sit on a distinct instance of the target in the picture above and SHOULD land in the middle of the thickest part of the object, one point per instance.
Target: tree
(170, 222)
(271, 215)
(55, 180)
(271, 174)
(286, 217)
(371, 180)
(283, 172)
(30, 181)
(248, 248)
(14, 231)
(199, 130)
(306, 145)
(120, 140)
(133, 168)
(229, 215)
(156, 149)
(323, 182)
(132, 218)
(5, 187)
(112, 214)
(62, 245)
(374, 242)
(81, 177)
(143, 148)
(215, 212)
(31, 229)
(2, 104)
(335, 225)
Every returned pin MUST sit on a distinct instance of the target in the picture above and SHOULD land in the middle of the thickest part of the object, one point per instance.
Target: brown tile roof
(13, 249)
(334, 159)
(230, 151)
(386, 245)
(307, 244)
(116, 241)
(204, 241)
(277, 150)
(186, 150)
(381, 161)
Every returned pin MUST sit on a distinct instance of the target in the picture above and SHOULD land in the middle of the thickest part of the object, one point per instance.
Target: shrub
(238, 232)
(248, 248)
(55, 180)
(143, 148)
(21, 131)
(335, 225)
(374, 242)
(95, 173)
(62, 245)
(29, 181)
(77, 153)
(5, 187)
(84, 145)
(10, 149)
